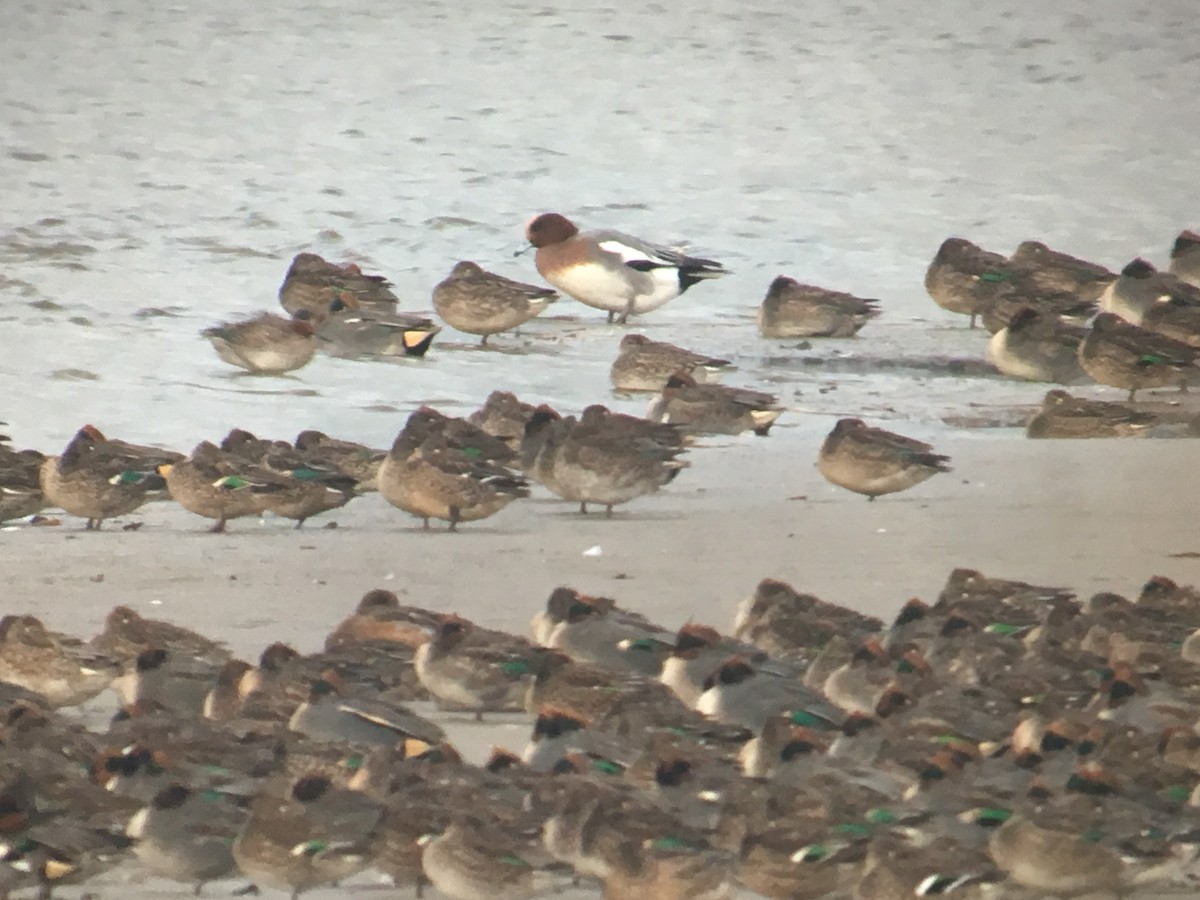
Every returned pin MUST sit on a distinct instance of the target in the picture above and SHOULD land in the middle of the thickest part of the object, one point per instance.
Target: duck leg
(219, 528)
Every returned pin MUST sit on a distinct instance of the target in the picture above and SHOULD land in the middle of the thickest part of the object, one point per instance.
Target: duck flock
(1007, 740)
(1144, 333)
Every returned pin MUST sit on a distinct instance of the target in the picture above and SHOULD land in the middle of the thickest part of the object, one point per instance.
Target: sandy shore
(1092, 515)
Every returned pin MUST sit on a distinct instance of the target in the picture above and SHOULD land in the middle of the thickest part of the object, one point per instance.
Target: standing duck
(1131, 358)
(98, 479)
(478, 302)
(213, 484)
(597, 461)
(266, 344)
(645, 365)
(615, 272)
(433, 480)
(794, 310)
(874, 462)
(964, 277)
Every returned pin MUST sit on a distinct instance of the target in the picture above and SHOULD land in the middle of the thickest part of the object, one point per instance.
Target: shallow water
(161, 164)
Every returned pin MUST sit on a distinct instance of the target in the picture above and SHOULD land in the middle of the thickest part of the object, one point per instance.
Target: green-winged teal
(873, 462)
(604, 461)
(1057, 272)
(186, 835)
(794, 310)
(357, 461)
(327, 715)
(714, 408)
(62, 669)
(612, 271)
(645, 365)
(963, 277)
(20, 482)
(216, 485)
(433, 480)
(736, 693)
(1126, 356)
(98, 479)
(1185, 257)
(1038, 347)
(312, 284)
(304, 834)
(1140, 288)
(476, 301)
(503, 416)
(351, 330)
(468, 669)
(1064, 416)
(266, 344)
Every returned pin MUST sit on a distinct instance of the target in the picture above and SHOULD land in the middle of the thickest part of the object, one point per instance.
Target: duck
(601, 461)
(1037, 347)
(1061, 273)
(1185, 257)
(784, 622)
(434, 480)
(380, 617)
(426, 422)
(735, 693)
(472, 859)
(1126, 356)
(643, 364)
(266, 344)
(20, 482)
(963, 276)
(186, 835)
(503, 415)
(1064, 416)
(794, 310)
(304, 834)
(669, 869)
(167, 679)
(356, 461)
(351, 329)
(213, 484)
(874, 462)
(97, 478)
(63, 670)
(714, 408)
(1140, 288)
(312, 284)
(476, 301)
(330, 716)
(306, 487)
(588, 631)
(1177, 317)
(466, 669)
(612, 271)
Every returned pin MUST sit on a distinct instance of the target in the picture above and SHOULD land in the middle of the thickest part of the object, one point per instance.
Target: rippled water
(161, 164)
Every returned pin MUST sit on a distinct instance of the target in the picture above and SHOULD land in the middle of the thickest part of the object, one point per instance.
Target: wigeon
(613, 271)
